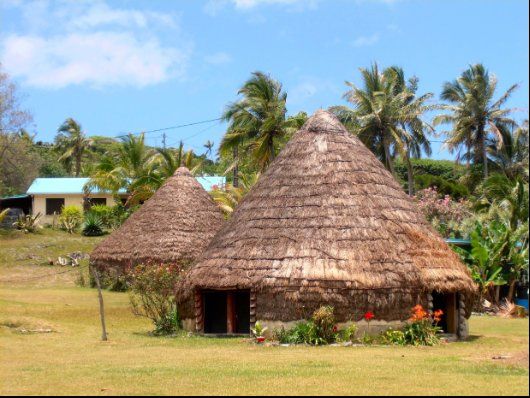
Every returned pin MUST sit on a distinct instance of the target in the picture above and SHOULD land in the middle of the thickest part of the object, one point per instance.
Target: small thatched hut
(173, 227)
(326, 224)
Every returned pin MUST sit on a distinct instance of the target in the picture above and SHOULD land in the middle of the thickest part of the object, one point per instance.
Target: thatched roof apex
(327, 213)
(175, 225)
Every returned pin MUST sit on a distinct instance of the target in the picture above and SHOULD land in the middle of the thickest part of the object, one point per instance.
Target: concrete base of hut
(374, 328)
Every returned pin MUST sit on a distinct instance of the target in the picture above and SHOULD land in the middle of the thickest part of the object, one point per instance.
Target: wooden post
(199, 317)
(230, 313)
(101, 307)
(252, 308)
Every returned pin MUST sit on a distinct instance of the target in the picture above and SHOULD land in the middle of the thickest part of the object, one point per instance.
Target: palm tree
(209, 146)
(132, 168)
(508, 150)
(169, 160)
(72, 143)
(229, 198)
(259, 118)
(414, 129)
(473, 112)
(229, 147)
(387, 115)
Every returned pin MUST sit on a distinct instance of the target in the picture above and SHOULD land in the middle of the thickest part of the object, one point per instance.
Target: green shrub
(119, 214)
(445, 187)
(105, 214)
(324, 323)
(447, 169)
(393, 337)
(153, 295)
(27, 223)
(71, 218)
(93, 225)
(319, 330)
(348, 333)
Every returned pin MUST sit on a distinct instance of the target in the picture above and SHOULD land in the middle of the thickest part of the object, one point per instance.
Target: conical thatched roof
(326, 216)
(174, 226)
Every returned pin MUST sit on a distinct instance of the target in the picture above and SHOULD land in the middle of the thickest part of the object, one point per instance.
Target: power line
(168, 128)
(192, 136)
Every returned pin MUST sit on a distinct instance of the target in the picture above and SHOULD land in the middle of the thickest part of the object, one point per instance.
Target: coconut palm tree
(259, 118)
(169, 160)
(72, 143)
(132, 168)
(209, 147)
(229, 197)
(387, 115)
(414, 129)
(508, 150)
(474, 113)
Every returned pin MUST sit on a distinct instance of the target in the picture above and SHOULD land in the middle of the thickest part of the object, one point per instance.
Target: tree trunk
(235, 171)
(497, 294)
(410, 175)
(482, 142)
(511, 291)
(468, 160)
(388, 160)
(95, 273)
(77, 165)
(271, 148)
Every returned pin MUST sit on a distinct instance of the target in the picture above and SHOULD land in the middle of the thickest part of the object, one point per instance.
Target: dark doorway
(447, 303)
(226, 312)
(215, 312)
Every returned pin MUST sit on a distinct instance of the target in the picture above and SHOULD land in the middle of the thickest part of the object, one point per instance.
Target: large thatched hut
(326, 224)
(173, 227)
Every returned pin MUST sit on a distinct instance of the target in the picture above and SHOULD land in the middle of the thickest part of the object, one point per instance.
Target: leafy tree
(474, 113)
(72, 143)
(12, 117)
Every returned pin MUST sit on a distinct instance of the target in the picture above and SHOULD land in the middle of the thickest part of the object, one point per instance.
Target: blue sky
(121, 66)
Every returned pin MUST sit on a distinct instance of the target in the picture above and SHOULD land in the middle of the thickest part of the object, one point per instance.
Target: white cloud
(363, 41)
(212, 7)
(89, 42)
(308, 88)
(97, 59)
(218, 58)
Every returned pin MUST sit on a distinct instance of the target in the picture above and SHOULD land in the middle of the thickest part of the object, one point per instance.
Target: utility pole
(101, 307)
(164, 140)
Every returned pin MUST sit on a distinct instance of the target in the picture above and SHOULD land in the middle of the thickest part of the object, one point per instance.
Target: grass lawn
(72, 360)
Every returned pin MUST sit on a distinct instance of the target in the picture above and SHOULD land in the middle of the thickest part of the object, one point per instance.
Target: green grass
(72, 360)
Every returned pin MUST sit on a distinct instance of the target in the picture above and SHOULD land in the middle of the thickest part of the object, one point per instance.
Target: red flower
(369, 316)
(438, 315)
(335, 329)
(418, 314)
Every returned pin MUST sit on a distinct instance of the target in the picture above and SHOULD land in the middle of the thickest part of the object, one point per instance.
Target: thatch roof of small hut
(325, 216)
(173, 227)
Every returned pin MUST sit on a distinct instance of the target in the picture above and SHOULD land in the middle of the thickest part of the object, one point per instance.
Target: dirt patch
(517, 359)
(27, 325)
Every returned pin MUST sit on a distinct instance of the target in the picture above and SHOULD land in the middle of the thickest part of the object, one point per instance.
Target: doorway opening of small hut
(226, 312)
(448, 303)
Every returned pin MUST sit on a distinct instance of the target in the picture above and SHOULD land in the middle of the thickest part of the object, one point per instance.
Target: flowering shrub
(444, 213)
(153, 295)
(420, 329)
